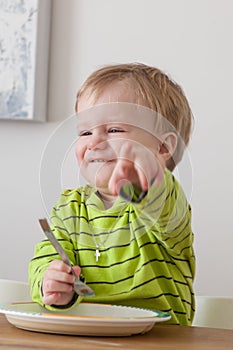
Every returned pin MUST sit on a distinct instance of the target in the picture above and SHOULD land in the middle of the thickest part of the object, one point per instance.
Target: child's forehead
(121, 113)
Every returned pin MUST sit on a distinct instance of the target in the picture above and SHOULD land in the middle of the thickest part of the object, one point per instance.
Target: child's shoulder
(77, 194)
(72, 198)
(70, 193)
(170, 178)
(172, 184)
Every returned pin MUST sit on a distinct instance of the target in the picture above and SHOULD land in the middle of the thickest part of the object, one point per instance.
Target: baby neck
(107, 199)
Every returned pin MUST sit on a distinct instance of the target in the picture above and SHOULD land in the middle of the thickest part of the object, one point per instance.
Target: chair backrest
(214, 312)
(14, 291)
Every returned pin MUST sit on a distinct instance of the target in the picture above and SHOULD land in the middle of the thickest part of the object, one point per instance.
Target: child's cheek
(79, 152)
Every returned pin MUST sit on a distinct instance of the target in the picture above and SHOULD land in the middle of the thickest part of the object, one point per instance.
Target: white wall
(190, 40)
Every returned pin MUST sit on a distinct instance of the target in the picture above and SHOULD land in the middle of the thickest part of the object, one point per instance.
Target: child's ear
(167, 145)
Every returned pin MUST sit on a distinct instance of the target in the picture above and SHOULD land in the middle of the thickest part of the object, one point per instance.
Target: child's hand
(136, 164)
(57, 286)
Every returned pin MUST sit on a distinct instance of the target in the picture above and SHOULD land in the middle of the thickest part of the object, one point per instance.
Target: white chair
(14, 291)
(214, 312)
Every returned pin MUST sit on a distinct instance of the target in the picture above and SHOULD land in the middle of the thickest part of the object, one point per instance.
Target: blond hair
(152, 88)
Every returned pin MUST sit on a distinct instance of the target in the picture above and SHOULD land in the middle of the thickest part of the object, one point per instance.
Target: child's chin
(101, 172)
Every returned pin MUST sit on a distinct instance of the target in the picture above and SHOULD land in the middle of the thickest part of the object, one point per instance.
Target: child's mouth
(101, 160)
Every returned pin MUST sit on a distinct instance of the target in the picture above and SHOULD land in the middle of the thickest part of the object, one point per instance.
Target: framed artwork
(24, 55)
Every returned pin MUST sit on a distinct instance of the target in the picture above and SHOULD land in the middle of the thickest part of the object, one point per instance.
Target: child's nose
(97, 141)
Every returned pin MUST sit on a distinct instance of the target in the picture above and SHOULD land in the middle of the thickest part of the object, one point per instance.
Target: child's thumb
(77, 270)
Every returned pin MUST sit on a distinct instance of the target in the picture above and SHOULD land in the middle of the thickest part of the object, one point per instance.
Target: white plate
(85, 319)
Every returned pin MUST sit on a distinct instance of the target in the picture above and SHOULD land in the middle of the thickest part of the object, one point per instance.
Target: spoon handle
(49, 234)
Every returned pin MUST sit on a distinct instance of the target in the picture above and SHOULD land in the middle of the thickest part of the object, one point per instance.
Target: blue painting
(18, 38)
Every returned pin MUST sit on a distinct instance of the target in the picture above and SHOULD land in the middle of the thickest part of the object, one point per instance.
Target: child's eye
(85, 133)
(115, 130)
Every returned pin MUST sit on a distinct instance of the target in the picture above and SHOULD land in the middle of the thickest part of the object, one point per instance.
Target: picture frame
(24, 59)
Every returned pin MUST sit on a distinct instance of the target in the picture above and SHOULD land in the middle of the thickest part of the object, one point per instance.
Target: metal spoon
(79, 287)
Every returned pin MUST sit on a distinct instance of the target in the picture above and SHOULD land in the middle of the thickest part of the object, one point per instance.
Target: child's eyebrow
(86, 125)
(83, 126)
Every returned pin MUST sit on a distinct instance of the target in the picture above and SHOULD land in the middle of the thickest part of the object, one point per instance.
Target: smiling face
(101, 134)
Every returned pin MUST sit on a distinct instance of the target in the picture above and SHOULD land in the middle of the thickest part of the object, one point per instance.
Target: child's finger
(147, 167)
(51, 299)
(119, 176)
(77, 270)
(59, 266)
(144, 178)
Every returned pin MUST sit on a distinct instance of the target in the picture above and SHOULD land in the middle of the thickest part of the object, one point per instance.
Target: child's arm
(165, 208)
(50, 279)
(165, 212)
